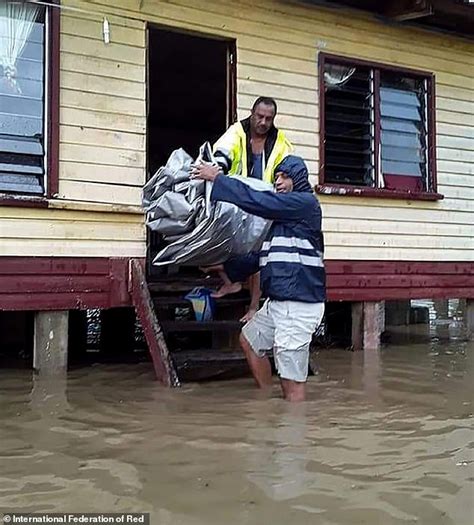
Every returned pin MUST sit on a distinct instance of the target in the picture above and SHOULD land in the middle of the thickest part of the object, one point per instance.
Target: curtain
(16, 23)
(336, 76)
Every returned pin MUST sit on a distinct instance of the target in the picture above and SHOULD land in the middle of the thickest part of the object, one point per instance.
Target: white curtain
(335, 75)
(16, 23)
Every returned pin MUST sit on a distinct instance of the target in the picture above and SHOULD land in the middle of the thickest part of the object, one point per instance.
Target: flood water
(384, 438)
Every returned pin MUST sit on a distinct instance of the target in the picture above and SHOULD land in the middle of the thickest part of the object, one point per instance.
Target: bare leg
(259, 366)
(292, 390)
(214, 268)
(228, 287)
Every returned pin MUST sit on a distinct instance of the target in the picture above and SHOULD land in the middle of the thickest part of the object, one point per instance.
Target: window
(23, 89)
(377, 128)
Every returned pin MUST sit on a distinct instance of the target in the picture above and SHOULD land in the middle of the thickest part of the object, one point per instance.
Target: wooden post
(470, 319)
(164, 366)
(51, 343)
(368, 323)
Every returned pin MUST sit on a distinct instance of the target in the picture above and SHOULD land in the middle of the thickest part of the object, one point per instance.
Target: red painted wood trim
(322, 119)
(392, 280)
(232, 83)
(52, 186)
(55, 301)
(53, 284)
(377, 126)
(56, 265)
(49, 283)
(432, 166)
(363, 281)
(35, 283)
(382, 193)
(370, 63)
(162, 363)
(393, 294)
(334, 267)
(22, 201)
(341, 189)
(119, 281)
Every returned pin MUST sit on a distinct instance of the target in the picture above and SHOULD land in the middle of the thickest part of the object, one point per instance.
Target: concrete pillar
(470, 319)
(368, 323)
(49, 397)
(51, 343)
(372, 372)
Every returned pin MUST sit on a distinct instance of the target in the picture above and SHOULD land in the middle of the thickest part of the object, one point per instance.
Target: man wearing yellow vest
(253, 147)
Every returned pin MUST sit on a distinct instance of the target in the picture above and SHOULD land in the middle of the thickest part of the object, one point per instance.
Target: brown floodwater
(384, 438)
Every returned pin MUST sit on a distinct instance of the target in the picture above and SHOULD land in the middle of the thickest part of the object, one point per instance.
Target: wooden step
(182, 284)
(197, 326)
(205, 364)
(202, 364)
(228, 300)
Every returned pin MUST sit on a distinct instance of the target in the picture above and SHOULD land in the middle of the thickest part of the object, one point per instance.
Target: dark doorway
(191, 97)
(190, 92)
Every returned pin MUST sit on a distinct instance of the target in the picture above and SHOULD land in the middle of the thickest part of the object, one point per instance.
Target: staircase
(182, 348)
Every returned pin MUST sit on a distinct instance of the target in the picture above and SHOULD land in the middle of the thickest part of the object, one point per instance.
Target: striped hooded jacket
(291, 257)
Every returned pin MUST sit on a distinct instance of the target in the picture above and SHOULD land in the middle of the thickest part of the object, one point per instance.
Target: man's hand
(205, 171)
(248, 316)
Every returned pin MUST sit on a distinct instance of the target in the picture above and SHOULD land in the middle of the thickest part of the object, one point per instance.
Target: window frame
(51, 115)
(329, 188)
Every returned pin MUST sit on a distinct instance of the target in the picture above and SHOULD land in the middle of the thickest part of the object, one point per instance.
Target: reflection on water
(385, 438)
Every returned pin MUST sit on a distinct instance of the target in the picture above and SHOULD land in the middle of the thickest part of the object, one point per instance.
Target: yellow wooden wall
(103, 123)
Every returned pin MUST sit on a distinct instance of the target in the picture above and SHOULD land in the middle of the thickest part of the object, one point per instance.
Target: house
(379, 100)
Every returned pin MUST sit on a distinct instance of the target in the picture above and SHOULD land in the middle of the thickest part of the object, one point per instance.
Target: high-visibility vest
(233, 145)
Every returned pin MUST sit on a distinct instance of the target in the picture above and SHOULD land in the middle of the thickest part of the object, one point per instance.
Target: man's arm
(224, 147)
(266, 204)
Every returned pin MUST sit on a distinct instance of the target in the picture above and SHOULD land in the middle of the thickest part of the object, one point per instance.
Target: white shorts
(287, 327)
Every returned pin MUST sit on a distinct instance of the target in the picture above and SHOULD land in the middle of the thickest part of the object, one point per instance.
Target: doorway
(191, 97)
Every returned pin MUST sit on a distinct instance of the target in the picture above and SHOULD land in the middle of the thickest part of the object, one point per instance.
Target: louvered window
(349, 127)
(404, 131)
(376, 129)
(22, 98)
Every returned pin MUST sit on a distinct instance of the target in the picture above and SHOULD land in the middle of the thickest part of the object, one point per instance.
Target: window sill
(23, 201)
(359, 191)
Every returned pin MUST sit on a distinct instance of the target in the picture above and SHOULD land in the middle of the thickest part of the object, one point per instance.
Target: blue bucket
(202, 302)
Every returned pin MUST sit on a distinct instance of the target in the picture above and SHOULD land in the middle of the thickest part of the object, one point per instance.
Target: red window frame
(367, 191)
(51, 116)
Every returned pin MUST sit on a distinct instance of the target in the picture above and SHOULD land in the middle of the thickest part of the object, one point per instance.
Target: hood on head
(295, 168)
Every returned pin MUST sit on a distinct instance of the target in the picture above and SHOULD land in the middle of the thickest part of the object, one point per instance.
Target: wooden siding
(49, 232)
(103, 120)
(102, 156)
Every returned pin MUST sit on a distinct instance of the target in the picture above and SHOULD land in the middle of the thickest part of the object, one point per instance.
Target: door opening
(191, 97)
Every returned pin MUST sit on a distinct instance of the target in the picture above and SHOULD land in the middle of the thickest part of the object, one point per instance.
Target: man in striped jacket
(291, 268)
